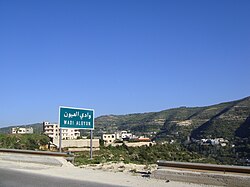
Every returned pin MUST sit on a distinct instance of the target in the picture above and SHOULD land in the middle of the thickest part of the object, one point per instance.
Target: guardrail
(198, 166)
(48, 153)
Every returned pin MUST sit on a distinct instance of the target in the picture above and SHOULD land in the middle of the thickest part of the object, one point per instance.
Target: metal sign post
(60, 140)
(91, 145)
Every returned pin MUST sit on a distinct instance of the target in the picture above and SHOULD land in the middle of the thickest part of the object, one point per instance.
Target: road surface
(15, 178)
(22, 170)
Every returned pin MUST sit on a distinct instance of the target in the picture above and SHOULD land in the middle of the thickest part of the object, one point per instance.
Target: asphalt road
(15, 178)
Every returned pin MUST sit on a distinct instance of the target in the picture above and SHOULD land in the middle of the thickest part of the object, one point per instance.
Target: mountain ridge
(223, 119)
(193, 120)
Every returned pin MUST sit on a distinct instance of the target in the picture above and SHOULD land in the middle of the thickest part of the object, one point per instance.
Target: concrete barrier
(207, 178)
(209, 174)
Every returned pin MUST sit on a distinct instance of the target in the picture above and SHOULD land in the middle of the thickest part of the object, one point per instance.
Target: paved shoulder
(14, 178)
(46, 160)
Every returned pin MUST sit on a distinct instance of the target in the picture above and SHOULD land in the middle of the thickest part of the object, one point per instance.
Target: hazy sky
(120, 56)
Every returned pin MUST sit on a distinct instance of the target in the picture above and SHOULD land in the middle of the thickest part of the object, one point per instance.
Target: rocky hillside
(225, 120)
(37, 128)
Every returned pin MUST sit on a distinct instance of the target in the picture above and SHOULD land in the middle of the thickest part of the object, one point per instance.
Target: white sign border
(78, 109)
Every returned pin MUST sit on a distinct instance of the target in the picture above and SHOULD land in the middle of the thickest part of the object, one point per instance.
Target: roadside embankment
(121, 167)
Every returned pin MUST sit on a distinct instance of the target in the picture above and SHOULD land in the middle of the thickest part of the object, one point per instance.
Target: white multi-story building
(127, 135)
(53, 131)
(22, 130)
(108, 138)
(122, 135)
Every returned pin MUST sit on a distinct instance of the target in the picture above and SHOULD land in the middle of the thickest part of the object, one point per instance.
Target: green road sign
(76, 118)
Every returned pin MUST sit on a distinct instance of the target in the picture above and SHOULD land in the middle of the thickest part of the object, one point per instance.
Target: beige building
(53, 131)
(22, 130)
